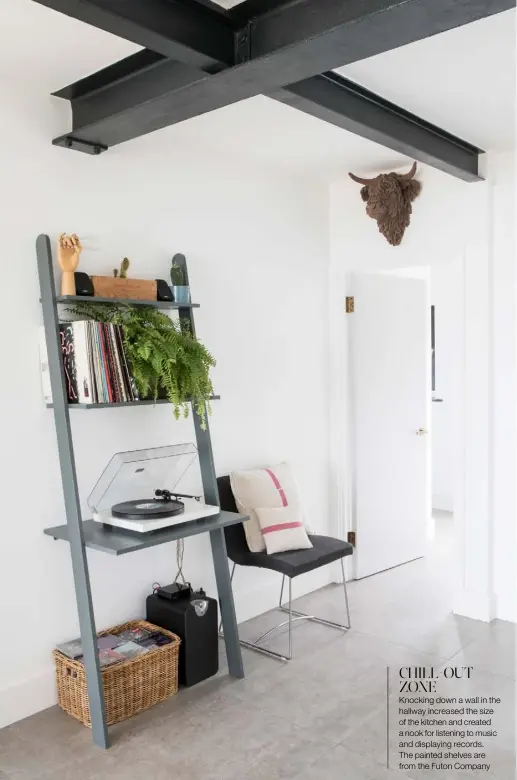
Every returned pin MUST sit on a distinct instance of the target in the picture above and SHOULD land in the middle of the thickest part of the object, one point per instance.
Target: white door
(391, 396)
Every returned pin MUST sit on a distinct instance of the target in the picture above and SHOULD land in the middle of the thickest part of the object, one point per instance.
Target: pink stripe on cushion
(280, 527)
(278, 487)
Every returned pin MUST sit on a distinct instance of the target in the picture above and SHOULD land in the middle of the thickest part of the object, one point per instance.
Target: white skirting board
(32, 695)
(475, 604)
(486, 606)
(25, 697)
(506, 606)
(443, 503)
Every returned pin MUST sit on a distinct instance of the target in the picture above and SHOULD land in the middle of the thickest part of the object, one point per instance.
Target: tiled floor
(321, 716)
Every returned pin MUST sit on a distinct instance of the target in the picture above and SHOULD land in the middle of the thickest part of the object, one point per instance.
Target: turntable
(137, 490)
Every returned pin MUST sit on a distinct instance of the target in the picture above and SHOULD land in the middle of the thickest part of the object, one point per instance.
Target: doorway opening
(404, 361)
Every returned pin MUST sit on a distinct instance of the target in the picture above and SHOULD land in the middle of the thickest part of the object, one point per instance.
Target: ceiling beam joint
(201, 60)
(243, 45)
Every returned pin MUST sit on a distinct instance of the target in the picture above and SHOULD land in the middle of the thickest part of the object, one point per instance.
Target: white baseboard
(27, 697)
(443, 503)
(24, 698)
(506, 607)
(476, 605)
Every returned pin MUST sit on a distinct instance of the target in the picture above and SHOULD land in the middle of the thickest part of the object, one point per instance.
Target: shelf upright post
(71, 493)
(217, 539)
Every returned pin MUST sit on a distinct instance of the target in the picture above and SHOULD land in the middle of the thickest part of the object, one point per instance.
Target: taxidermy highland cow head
(388, 200)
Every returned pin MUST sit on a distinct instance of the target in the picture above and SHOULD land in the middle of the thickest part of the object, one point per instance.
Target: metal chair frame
(297, 616)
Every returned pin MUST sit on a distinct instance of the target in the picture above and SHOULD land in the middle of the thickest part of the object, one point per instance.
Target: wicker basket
(129, 686)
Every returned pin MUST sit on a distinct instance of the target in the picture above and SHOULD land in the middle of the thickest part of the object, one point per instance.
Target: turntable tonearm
(127, 497)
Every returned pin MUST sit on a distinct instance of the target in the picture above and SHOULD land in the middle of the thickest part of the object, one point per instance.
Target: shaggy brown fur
(388, 199)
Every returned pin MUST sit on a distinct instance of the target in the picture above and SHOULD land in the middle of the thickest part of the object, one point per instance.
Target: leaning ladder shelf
(81, 535)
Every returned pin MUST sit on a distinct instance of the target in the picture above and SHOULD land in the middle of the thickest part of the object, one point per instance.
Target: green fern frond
(163, 353)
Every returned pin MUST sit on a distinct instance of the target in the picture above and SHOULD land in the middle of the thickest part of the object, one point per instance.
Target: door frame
(342, 432)
(419, 276)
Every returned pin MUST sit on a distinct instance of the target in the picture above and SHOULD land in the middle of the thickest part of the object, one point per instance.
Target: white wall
(503, 391)
(257, 248)
(466, 227)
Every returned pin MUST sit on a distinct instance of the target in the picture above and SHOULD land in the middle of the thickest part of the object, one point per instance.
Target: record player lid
(130, 476)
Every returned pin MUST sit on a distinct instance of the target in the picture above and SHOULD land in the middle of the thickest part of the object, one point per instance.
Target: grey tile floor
(321, 716)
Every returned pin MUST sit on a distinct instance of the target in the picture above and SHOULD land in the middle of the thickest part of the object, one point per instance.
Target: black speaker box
(83, 284)
(198, 631)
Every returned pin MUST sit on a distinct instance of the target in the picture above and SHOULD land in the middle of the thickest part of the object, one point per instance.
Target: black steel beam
(338, 33)
(182, 30)
(343, 103)
(286, 46)
(329, 97)
(244, 12)
(127, 68)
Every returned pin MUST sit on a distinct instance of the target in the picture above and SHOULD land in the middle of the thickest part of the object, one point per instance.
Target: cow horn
(409, 174)
(359, 180)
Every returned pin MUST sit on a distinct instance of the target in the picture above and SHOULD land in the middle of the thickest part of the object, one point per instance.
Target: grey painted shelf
(83, 534)
(128, 301)
(116, 542)
(124, 403)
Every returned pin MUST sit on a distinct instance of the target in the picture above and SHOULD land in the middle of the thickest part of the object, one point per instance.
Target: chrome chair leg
(290, 618)
(313, 618)
(294, 616)
(255, 645)
(348, 624)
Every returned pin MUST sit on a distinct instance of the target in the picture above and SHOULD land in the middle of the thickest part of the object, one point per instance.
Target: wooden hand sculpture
(68, 250)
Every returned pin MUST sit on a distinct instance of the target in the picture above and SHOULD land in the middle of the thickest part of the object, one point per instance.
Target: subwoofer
(194, 620)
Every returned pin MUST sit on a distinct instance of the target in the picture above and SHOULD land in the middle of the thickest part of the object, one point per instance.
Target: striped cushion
(282, 529)
(268, 488)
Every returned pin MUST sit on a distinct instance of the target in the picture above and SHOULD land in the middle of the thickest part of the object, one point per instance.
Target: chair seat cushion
(325, 549)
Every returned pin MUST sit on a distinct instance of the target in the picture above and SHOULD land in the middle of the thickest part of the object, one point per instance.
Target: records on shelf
(97, 370)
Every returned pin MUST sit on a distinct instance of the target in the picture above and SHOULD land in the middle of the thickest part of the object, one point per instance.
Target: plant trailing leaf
(163, 353)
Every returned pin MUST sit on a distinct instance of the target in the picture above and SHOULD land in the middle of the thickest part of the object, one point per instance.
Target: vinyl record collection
(114, 648)
(96, 366)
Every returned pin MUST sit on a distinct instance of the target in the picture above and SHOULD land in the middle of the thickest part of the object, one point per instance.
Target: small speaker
(163, 291)
(83, 284)
(194, 620)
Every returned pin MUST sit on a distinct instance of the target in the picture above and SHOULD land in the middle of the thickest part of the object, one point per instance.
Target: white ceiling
(228, 3)
(44, 48)
(266, 132)
(463, 80)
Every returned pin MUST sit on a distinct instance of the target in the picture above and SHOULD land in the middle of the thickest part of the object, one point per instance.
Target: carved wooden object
(68, 250)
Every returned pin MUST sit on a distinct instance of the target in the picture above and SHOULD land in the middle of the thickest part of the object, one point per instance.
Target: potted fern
(166, 359)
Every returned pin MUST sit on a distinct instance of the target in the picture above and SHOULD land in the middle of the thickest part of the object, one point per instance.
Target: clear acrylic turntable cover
(136, 475)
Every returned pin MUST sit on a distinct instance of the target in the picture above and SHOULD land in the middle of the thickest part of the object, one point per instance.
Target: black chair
(291, 564)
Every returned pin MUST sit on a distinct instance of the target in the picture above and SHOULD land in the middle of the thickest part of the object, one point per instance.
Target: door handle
(421, 432)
